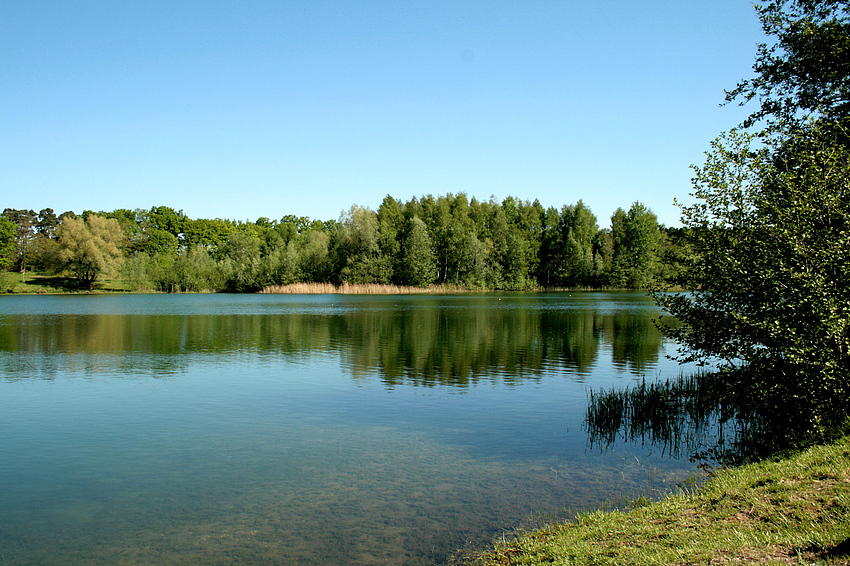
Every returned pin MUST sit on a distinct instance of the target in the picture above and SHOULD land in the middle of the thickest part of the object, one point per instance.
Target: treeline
(451, 240)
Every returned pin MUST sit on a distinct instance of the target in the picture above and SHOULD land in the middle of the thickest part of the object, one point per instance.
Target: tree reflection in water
(418, 341)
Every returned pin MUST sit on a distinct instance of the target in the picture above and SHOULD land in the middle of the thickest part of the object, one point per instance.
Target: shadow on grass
(60, 284)
(43, 283)
(840, 550)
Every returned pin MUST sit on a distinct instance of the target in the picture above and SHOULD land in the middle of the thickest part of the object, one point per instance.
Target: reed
(359, 289)
(676, 414)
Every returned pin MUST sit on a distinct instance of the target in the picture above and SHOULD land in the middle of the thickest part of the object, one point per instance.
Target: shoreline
(794, 510)
(39, 284)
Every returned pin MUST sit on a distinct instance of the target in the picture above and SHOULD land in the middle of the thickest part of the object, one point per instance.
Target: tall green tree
(47, 222)
(25, 222)
(91, 248)
(509, 258)
(208, 233)
(314, 262)
(358, 249)
(549, 252)
(241, 261)
(577, 228)
(420, 266)
(767, 242)
(391, 224)
(635, 237)
(7, 243)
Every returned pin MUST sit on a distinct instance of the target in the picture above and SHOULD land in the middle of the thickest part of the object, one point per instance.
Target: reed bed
(359, 289)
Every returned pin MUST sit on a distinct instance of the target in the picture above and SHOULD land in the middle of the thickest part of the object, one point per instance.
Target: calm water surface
(263, 429)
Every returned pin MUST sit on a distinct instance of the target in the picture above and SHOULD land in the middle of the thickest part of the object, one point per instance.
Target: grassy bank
(791, 511)
(42, 283)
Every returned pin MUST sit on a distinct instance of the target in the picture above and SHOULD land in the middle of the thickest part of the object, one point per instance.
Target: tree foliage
(803, 72)
(446, 239)
(766, 245)
(25, 222)
(90, 248)
(768, 267)
(418, 257)
(7, 242)
(635, 242)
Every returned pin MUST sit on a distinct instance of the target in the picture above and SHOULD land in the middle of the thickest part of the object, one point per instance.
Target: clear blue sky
(242, 109)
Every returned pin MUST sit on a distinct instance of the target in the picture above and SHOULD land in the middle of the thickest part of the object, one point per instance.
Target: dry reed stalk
(358, 289)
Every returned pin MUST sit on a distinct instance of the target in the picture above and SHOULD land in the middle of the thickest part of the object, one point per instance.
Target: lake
(318, 429)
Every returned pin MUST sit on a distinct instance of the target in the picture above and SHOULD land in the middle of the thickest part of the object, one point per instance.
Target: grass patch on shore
(789, 511)
(36, 283)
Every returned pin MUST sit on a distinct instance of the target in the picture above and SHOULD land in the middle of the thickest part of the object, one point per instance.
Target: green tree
(635, 237)
(166, 219)
(802, 72)
(419, 261)
(195, 270)
(768, 246)
(241, 258)
(208, 233)
(603, 258)
(475, 262)
(314, 262)
(391, 222)
(90, 248)
(358, 249)
(7, 243)
(577, 229)
(134, 273)
(549, 252)
(47, 223)
(25, 222)
(157, 241)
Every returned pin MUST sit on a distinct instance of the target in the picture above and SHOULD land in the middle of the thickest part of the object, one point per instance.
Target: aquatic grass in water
(699, 414)
(673, 414)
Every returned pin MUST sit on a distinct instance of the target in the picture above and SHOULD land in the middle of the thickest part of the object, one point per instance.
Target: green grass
(41, 283)
(790, 511)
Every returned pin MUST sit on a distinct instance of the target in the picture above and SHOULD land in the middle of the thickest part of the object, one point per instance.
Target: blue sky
(243, 109)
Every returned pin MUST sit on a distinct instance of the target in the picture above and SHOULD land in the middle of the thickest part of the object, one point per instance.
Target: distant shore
(43, 284)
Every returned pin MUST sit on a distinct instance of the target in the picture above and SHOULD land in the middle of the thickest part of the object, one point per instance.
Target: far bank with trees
(448, 240)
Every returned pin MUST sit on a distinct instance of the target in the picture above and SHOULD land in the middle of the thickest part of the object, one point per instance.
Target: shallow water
(263, 429)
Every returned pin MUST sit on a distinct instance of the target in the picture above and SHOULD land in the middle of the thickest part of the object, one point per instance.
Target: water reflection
(412, 340)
